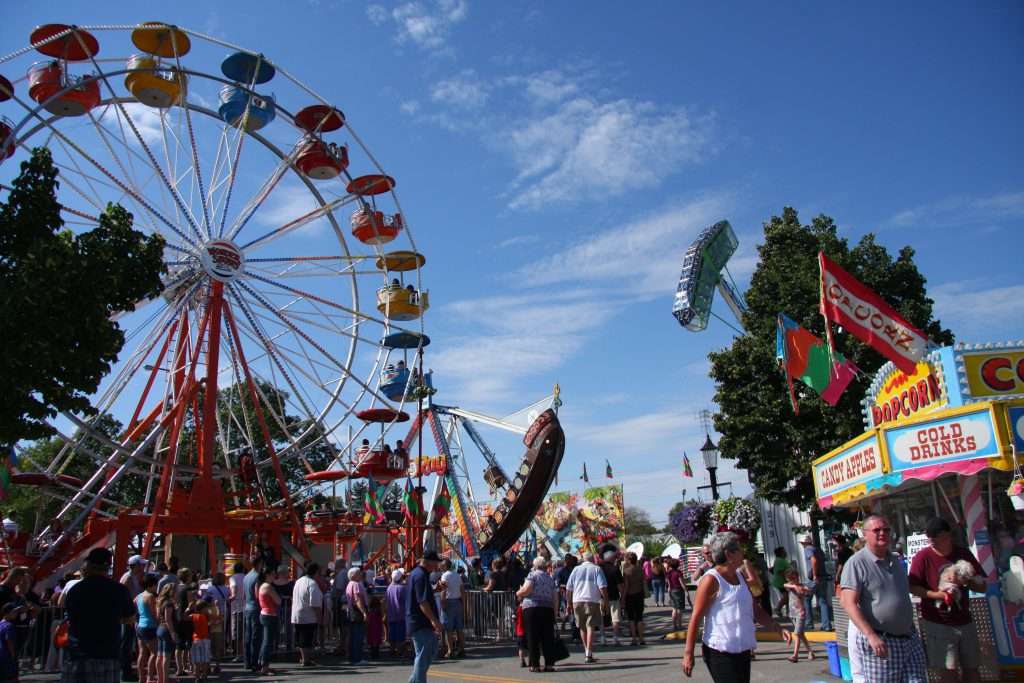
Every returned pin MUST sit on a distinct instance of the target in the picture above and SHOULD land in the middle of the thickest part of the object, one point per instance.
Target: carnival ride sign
(995, 373)
(960, 437)
(427, 465)
(902, 396)
(848, 466)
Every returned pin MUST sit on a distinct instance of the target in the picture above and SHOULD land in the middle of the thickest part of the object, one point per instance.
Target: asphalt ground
(658, 662)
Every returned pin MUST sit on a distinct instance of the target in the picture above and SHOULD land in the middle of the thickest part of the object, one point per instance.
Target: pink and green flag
(805, 357)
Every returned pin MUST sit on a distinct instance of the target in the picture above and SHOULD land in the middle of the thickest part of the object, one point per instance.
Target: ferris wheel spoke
(119, 103)
(326, 302)
(122, 185)
(254, 204)
(297, 223)
(289, 356)
(315, 345)
(105, 136)
(269, 346)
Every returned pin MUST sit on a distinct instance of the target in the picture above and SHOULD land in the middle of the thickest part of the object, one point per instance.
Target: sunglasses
(881, 530)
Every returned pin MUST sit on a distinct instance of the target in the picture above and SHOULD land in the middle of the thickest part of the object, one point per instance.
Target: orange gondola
(326, 475)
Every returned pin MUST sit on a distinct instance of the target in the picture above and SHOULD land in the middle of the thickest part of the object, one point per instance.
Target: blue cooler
(844, 666)
(833, 658)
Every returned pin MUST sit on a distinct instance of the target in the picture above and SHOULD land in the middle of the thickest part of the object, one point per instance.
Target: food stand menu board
(965, 436)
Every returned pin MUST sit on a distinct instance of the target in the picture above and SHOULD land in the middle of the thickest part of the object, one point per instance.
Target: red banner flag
(847, 302)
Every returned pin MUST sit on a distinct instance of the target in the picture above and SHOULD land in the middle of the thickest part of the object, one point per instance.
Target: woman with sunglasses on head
(728, 610)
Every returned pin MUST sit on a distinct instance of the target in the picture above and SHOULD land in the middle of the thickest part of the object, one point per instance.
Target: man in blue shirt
(252, 630)
(421, 622)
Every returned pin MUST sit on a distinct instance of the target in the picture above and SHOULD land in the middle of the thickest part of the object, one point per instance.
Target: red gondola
(60, 94)
(322, 161)
(319, 118)
(382, 415)
(6, 150)
(383, 466)
(373, 227)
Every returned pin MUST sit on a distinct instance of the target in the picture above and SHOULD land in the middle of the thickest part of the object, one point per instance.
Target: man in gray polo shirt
(876, 596)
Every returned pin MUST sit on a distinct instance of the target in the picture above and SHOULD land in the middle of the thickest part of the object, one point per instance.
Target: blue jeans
(356, 636)
(271, 624)
(820, 595)
(658, 591)
(252, 633)
(424, 644)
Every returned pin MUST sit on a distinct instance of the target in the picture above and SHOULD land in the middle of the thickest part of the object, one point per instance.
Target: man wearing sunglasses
(876, 595)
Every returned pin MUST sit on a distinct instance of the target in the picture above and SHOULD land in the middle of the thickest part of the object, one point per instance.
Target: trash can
(833, 658)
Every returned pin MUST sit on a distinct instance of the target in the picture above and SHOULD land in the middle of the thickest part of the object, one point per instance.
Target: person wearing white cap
(394, 600)
(818, 582)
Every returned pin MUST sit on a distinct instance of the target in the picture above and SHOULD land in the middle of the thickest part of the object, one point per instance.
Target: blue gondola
(242, 66)
(393, 381)
(405, 340)
(233, 100)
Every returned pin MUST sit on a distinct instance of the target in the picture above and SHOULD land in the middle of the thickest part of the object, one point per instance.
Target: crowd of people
(158, 622)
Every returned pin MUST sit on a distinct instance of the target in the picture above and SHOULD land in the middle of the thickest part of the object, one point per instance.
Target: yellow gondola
(152, 85)
(161, 40)
(397, 303)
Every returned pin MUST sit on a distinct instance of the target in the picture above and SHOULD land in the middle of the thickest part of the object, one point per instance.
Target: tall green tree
(58, 291)
(758, 427)
(638, 523)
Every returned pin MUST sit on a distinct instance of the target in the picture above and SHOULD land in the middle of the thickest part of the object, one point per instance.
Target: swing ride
(281, 331)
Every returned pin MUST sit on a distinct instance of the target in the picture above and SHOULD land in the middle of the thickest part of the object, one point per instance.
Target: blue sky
(555, 159)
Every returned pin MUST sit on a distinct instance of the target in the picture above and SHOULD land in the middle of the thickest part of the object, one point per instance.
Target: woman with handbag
(539, 594)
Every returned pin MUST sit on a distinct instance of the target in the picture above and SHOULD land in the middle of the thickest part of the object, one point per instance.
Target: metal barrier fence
(36, 652)
(490, 616)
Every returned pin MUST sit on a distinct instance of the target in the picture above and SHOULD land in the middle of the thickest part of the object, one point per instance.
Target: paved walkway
(658, 662)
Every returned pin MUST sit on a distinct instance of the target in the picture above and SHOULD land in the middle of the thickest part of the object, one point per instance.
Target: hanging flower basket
(736, 514)
(691, 524)
(1016, 494)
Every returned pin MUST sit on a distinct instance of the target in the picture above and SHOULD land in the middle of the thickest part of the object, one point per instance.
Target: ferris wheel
(292, 279)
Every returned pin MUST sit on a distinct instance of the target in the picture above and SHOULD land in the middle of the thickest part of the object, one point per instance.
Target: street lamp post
(710, 452)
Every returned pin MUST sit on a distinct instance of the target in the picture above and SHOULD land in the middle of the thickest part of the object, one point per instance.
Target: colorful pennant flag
(412, 503)
(373, 509)
(848, 302)
(6, 464)
(687, 470)
(584, 477)
(608, 470)
(805, 357)
(442, 504)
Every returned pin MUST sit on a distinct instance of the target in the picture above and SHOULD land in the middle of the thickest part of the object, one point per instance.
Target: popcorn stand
(945, 441)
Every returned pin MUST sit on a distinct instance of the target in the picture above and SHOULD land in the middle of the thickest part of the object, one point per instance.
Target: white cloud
(518, 240)
(485, 369)
(146, 121)
(644, 256)
(410, 107)
(587, 149)
(377, 14)
(961, 210)
(426, 25)
(978, 312)
(286, 203)
(464, 91)
(642, 434)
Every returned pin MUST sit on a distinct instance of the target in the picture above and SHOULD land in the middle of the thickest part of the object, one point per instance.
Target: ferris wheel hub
(222, 260)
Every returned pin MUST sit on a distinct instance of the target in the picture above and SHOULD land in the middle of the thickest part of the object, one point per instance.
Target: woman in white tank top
(727, 610)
